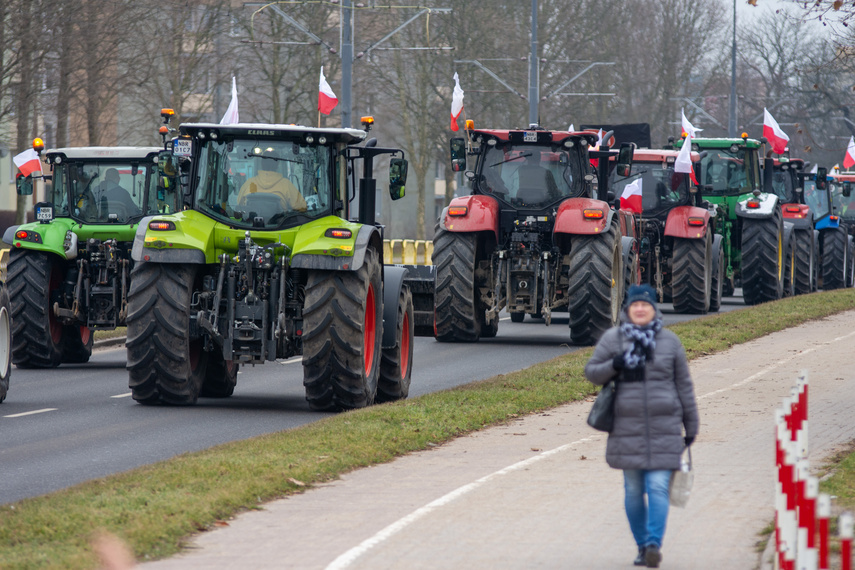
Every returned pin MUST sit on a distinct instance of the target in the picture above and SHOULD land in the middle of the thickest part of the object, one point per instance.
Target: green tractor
(266, 262)
(69, 271)
(754, 236)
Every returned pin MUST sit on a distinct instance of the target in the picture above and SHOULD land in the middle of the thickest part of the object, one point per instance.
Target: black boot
(652, 556)
(640, 560)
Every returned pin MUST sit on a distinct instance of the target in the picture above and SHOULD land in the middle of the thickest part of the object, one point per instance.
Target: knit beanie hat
(643, 292)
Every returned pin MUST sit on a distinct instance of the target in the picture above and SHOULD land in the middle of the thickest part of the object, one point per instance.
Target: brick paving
(536, 493)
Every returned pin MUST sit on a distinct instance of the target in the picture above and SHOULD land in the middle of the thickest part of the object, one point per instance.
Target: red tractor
(537, 235)
(681, 255)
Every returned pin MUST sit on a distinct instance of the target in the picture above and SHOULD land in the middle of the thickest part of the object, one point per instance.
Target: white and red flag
(773, 133)
(683, 163)
(456, 102)
(848, 160)
(326, 98)
(231, 117)
(688, 127)
(630, 198)
(28, 162)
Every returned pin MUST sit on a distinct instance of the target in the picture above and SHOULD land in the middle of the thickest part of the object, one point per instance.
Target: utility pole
(534, 68)
(731, 126)
(346, 63)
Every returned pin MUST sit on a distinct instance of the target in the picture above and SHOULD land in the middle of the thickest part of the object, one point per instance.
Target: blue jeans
(647, 519)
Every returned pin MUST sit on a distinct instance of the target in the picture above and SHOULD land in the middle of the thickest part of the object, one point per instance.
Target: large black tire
(5, 342)
(220, 376)
(342, 336)
(762, 259)
(396, 363)
(455, 306)
(36, 333)
(850, 262)
(717, 276)
(834, 259)
(805, 266)
(789, 264)
(691, 275)
(517, 317)
(630, 264)
(77, 344)
(164, 364)
(596, 285)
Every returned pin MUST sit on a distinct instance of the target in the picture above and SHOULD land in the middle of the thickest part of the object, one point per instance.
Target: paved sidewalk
(537, 493)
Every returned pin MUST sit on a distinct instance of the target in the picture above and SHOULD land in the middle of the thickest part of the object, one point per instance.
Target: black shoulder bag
(602, 414)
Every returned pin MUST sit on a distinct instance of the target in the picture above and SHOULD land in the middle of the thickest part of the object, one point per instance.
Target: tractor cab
(841, 186)
(661, 187)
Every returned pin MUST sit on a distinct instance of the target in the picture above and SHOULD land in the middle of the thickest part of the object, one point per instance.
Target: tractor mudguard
(337, 262)
(677, 224)
(44, 237)
(570, 218)
(393, 280)
(482, 214)
(825, 223)
(767, 208)
(799, 215)
(421, 279)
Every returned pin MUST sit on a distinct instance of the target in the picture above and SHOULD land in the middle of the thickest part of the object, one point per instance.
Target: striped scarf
(643, 342)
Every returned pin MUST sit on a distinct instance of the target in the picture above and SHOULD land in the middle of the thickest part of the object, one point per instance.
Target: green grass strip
(156, 508)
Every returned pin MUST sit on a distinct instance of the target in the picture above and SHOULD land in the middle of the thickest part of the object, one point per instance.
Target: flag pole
(319, 118)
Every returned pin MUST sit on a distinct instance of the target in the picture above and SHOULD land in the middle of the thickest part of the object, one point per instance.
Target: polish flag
(773, 133)
(231, 117)
(688, 128)
(28, 162)
(326, 98)
(683, 163)
(630, 199)
(456, 103)
(848, 160)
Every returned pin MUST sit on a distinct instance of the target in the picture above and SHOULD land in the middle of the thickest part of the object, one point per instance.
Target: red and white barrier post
(824, 512)
(846, 523)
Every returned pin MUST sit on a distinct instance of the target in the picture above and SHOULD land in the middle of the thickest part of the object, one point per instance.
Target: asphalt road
(78, 422)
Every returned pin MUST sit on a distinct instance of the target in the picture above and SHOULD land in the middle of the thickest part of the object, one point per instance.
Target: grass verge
(155, 508)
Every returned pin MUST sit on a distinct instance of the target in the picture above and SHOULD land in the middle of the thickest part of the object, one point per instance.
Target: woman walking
(655, 401)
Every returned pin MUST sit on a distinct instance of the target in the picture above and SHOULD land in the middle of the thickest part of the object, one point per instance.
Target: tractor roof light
(367, 122)
(468, 125)
(458, 211)
(38, 144)
(744, 136)
(167, 113)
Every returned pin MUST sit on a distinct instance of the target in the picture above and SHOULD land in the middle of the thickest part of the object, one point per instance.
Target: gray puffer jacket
(649, 415)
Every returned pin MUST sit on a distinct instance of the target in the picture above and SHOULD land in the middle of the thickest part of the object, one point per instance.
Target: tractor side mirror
(768, 175)
(397, 177)
(458, 154)
(624, 163)
(24, 185)
(821, 178)
(847, 189)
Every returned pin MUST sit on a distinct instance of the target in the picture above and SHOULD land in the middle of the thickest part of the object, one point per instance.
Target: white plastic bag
(681, 481)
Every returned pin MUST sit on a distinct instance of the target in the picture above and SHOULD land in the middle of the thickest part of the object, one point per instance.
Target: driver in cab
(269, 181)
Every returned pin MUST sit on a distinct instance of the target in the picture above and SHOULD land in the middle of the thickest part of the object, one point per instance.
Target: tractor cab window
(532, 176)
(844, 206)
(263, 183)
(782, 185)
(661, 187)
(106, 192)
(730, 173)
(817, 200)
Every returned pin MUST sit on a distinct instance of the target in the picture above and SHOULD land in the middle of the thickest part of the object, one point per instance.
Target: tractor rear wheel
(595, 290)
(805, 261)
(454, 255)
(5, 342)
(396, 363)
(717, 276)
(164, 364)
(342, 336)
(220, 376)
(36, 332)
(834, 258)
(762, 259)
(691, 279)
(76, 344)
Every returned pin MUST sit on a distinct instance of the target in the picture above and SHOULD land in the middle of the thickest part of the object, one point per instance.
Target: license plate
(182, 147)
(529, 136)
(44, 214)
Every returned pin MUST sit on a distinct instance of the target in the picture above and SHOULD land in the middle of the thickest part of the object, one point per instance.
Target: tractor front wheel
(454, 255)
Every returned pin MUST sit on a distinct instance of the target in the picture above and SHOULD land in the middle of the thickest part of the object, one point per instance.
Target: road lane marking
(291, 360)
(125, 395)
(349, 557)
(22, 414)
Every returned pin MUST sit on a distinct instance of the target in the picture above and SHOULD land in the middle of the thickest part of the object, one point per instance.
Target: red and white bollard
(845, 523)
(824, 512)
